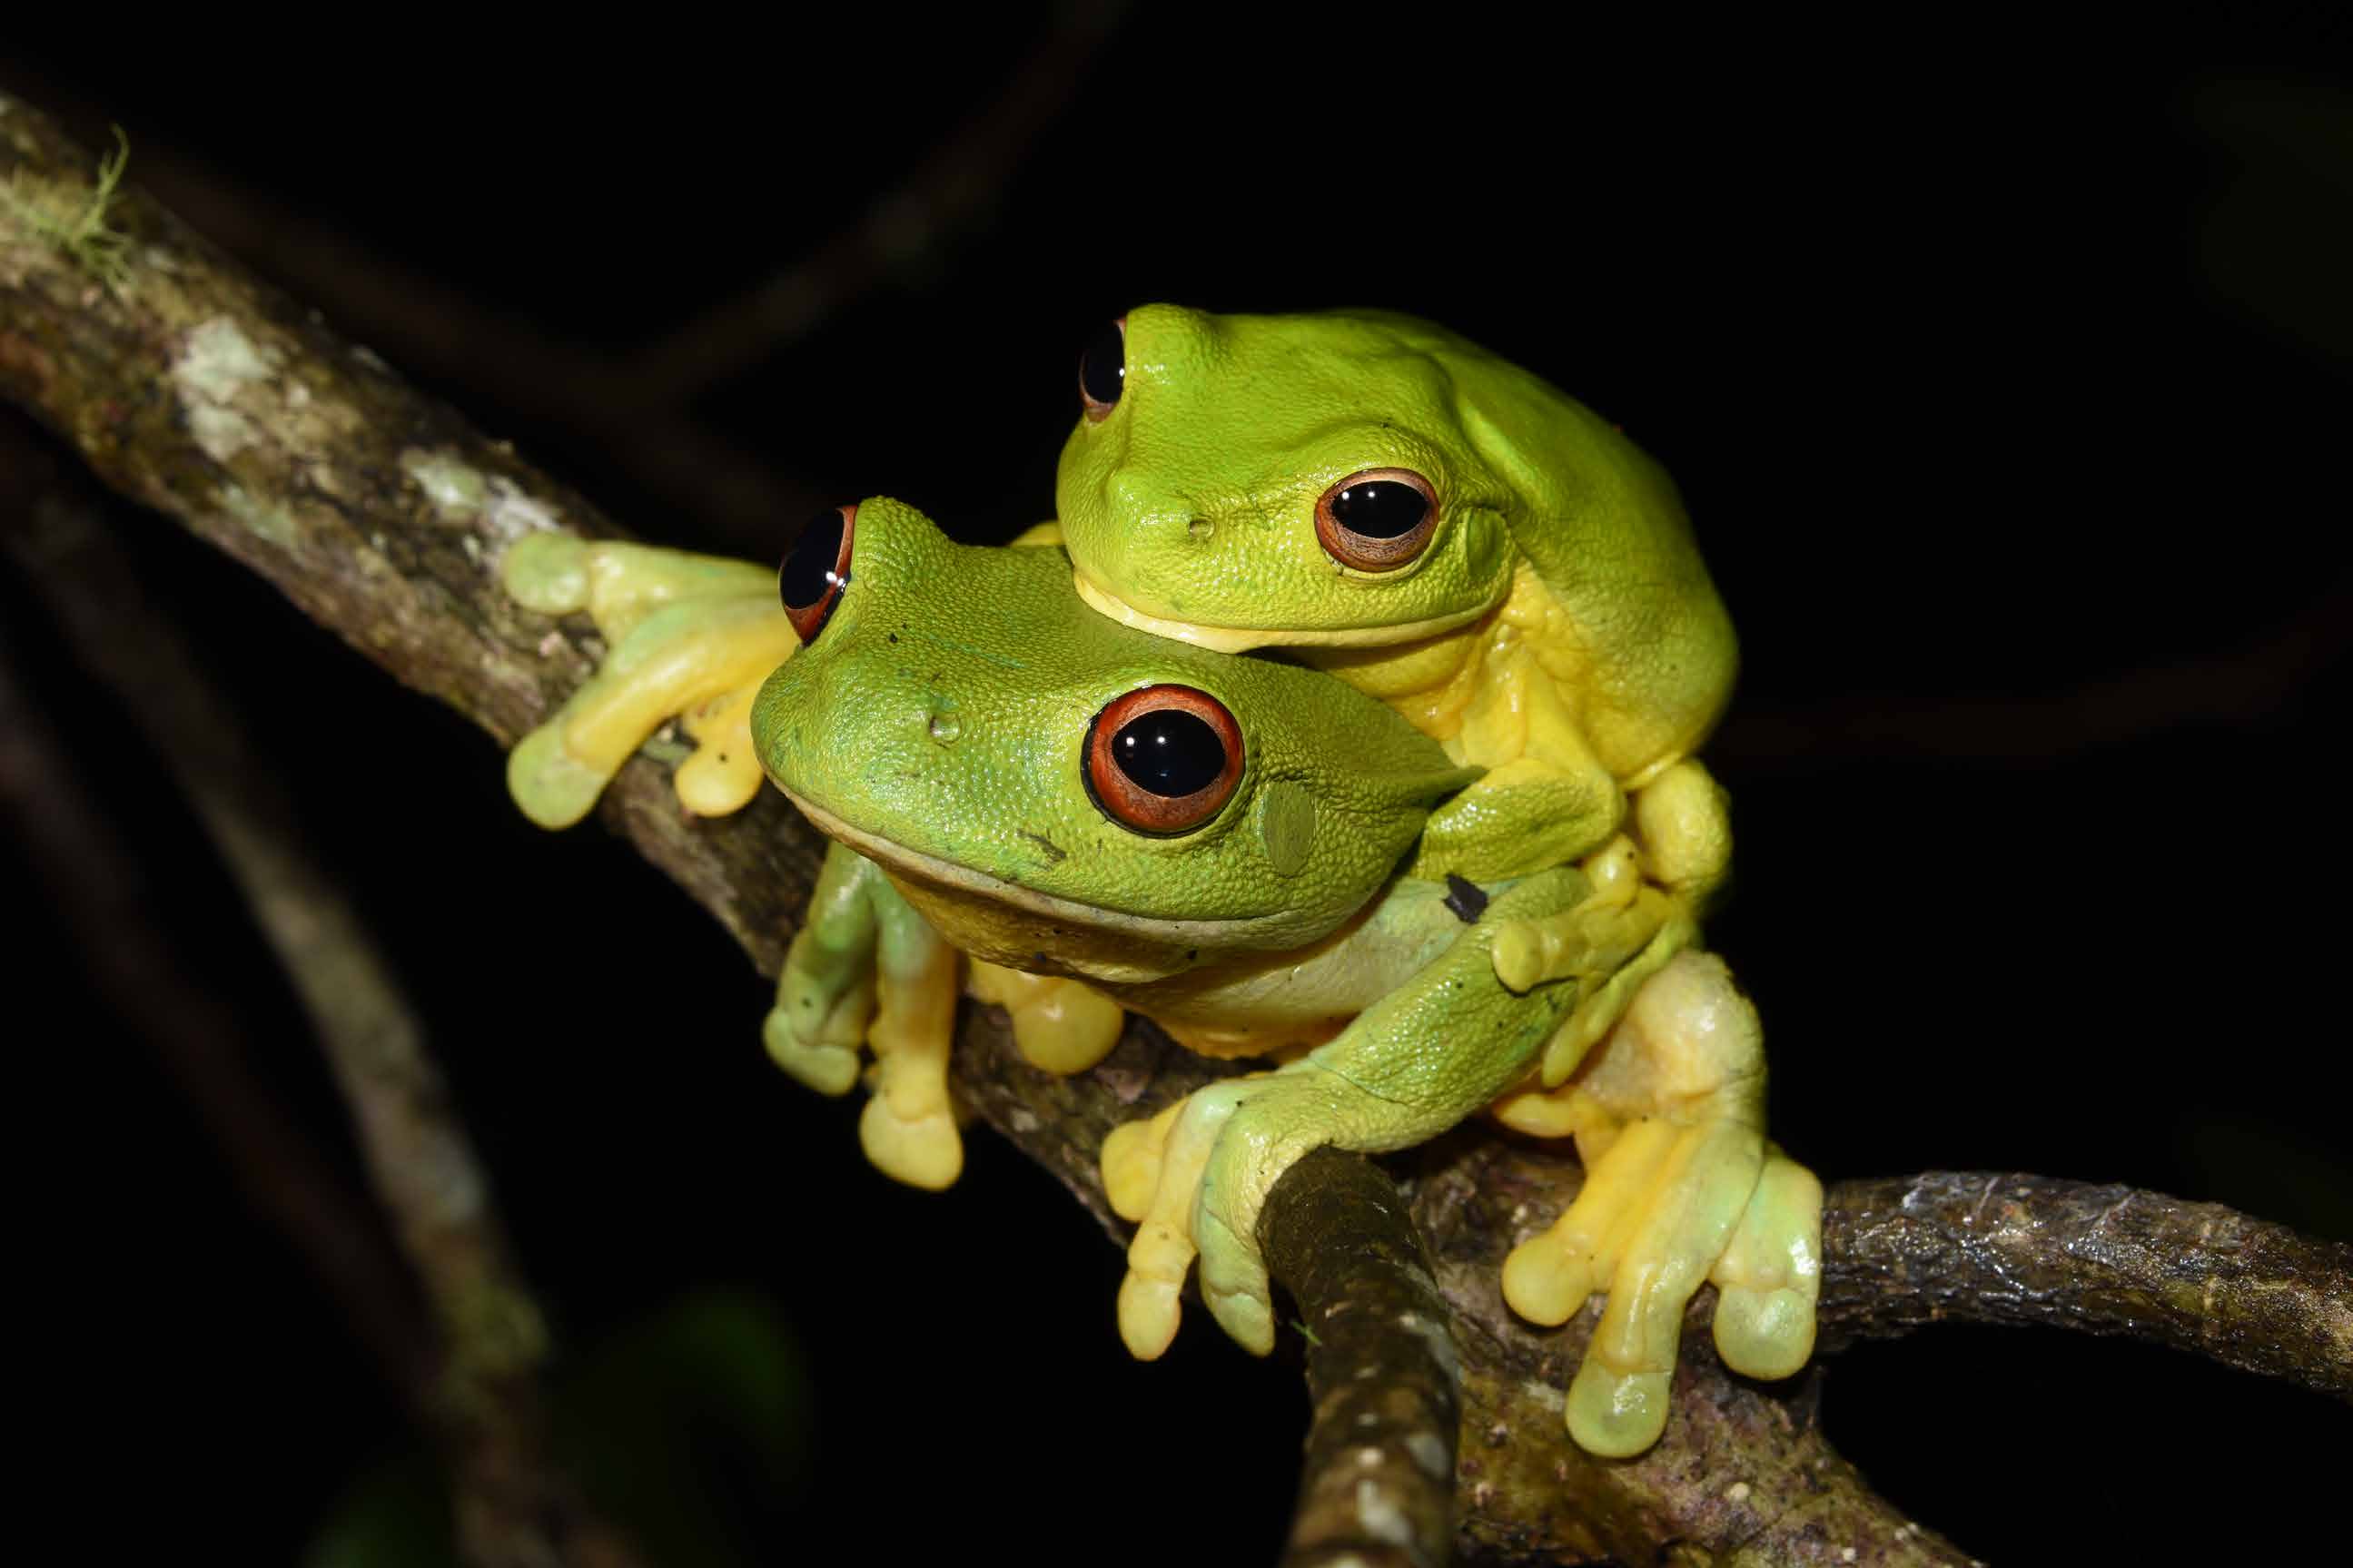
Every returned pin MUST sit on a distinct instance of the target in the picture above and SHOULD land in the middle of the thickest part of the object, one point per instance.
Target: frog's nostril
(1201, 528)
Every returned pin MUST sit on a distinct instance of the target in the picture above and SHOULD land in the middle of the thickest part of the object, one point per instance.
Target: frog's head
(1058, 790)
(1361, 478)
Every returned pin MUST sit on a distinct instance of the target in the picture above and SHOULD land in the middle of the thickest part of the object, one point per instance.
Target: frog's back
(1627, 622)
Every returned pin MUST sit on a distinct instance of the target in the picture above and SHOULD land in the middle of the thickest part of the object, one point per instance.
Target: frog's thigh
(1771, 1274)
(1059, 1025)
(908, 1129)
(826, 993)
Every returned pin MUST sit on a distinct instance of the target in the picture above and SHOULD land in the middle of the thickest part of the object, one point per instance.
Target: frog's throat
(1241, 639)
(1224, 933)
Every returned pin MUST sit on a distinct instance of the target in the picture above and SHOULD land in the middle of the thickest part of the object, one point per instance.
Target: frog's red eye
(1378, 520)
(1103, 369)
(1163, 760)
(816, 569)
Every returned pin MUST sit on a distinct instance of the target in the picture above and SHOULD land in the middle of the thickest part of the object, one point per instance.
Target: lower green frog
(1101, 819)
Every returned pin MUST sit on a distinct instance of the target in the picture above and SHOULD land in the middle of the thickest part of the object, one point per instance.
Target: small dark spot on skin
(1464, 897)
(1054, 851)
(1195, 953)
(892, 638)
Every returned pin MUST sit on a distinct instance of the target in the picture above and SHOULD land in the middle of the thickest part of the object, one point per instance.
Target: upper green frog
(1366, 481)
(1440, 528)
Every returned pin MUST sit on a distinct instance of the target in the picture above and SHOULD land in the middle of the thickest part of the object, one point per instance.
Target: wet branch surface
(191, 388)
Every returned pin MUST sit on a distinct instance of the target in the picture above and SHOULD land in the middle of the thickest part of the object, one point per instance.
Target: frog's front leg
(867, 967)
(687, 635)
(1410, 1067)
(1681, 1186)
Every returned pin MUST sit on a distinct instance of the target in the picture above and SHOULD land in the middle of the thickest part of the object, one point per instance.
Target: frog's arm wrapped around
(958, 721)
(1447, 532)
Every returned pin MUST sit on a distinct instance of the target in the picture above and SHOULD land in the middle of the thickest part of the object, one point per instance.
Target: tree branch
(1383, 1374)
(195, 391)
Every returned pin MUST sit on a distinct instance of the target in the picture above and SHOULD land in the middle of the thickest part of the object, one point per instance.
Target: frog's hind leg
(687, 635)
(1678, 1189)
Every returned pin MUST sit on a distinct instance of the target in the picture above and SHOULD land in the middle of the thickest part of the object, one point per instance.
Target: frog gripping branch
(1462, 551)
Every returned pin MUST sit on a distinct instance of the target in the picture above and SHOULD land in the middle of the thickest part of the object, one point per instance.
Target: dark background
(2005, 370)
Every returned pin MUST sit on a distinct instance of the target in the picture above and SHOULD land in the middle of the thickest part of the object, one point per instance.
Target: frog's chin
(1241, 932)
(1241, 639)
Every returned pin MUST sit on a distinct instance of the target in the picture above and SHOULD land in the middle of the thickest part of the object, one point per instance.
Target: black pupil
(808, 570)
(1381, 509)
(1104, 366)
(1170, 752)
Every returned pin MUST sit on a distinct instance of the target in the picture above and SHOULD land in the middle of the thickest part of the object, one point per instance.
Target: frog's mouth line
(1224, 933)
(1241, 639)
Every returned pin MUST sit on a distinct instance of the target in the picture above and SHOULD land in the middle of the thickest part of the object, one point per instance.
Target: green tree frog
(1378, 497)
(1212, 841)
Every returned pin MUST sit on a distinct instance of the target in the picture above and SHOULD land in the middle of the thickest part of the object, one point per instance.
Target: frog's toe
(1148, 1313)
(554, 787)
(828, 1067)
(548, 573)
(1131, 1162)
(723, 774)
(826, 1000)
(1770, 1275)
(1617, 1415)
(1545, 1280)
(1234, 1283)
(923, 1150)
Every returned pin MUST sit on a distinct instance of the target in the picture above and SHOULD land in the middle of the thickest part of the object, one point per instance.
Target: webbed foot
(1679, 1187)
(691, 636)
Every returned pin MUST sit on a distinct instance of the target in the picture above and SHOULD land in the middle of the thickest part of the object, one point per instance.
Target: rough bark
(196, 391)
